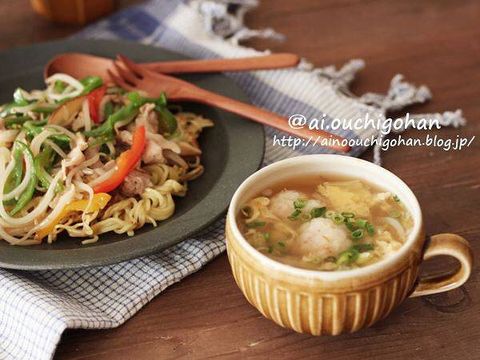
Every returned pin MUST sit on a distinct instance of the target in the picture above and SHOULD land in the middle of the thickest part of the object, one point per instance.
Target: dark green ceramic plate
(232, 150)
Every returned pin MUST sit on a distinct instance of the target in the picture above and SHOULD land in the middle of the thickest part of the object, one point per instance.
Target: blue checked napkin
(36, 307)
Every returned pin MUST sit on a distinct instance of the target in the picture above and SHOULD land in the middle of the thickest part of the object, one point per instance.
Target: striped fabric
(36, 307)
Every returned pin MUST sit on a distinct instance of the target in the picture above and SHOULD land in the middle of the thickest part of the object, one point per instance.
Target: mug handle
(450, 245)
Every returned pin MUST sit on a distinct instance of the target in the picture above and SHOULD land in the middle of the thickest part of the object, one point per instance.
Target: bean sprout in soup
(328, 224)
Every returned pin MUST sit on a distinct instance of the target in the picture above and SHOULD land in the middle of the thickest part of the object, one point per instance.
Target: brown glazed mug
(332, 303)
(77, 12)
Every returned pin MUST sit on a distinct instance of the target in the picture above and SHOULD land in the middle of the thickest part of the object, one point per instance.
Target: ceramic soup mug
(322, 302)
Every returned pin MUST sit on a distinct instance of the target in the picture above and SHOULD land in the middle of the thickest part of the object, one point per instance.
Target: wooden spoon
(132, 77)
(81, 65)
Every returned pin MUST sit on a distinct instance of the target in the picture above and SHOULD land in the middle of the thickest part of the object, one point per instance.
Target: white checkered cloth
(36, 307)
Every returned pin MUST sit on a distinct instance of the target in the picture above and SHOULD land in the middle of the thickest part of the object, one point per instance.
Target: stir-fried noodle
(85, 158)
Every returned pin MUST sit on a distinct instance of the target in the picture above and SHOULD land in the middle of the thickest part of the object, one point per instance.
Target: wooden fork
(131, 76)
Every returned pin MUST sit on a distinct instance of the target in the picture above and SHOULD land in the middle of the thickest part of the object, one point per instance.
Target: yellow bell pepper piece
(99, 201)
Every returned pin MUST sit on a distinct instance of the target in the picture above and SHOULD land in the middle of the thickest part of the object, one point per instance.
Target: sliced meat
(153, 153)
(156, 144)
(125, 137)
(153, 149)
(135, 183)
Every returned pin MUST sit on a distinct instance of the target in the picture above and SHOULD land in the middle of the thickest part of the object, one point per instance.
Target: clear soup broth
(326, 224)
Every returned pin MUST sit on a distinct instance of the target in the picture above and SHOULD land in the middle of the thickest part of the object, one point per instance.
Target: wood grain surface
(435, 42)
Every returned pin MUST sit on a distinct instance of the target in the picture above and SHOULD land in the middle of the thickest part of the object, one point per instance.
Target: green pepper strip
(18, 98)
(7, 109)
(27, 195)
(42, 162)
(108, 110)
(44, 109)
(106, 129)
(126, 112)
(32, 129)
(11, 121)
(90, 83)
(18, 101)
(15, 177)
(168, 122)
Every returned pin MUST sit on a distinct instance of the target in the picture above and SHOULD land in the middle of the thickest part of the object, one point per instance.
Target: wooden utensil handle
(273, 61)
(446, 245)
(311, 137)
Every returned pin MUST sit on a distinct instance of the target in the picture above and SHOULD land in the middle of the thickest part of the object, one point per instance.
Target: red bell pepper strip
(94, 99)
(125, 163)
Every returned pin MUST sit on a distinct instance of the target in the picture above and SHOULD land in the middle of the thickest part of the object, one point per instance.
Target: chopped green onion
(338, 219)
(348, 256)
(350, 225)
(396, 198)
(348, 215)
(357, 234)
(305, 217)
(299, 203)
(361, 223)
(330, 214)
(270, 249)
(370, 229)
(281, 244)
(255, 224)
(294, 215)
(318, 212)
(266, 236)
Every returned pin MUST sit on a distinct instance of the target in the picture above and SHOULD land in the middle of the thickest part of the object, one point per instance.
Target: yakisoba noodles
(85, 158)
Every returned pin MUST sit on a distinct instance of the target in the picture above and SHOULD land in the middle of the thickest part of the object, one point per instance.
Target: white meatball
(322, 237)
(282, 203)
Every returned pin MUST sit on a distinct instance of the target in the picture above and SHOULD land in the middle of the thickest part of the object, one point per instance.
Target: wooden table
(432, 42)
